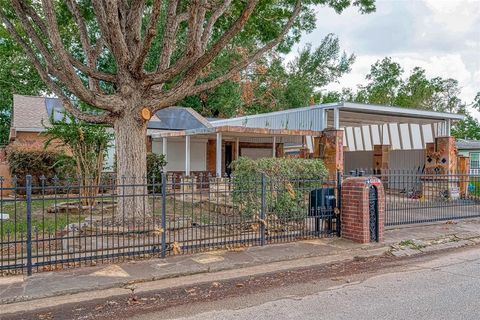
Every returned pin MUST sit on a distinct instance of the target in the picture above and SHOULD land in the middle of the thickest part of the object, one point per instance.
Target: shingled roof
(465, 144)
(30, 112)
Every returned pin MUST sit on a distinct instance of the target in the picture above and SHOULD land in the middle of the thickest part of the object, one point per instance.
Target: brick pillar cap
(366, 180)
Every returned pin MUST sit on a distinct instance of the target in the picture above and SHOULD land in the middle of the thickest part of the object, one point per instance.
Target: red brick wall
(355, 212)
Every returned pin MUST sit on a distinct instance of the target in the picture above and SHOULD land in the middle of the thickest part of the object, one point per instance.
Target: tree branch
(150, 34)
(73, 82)
(207, 32)
(134, 23)
(109, 14)
(169, 35)
(90, 53)
(165, 99)
(197, 64)
(42, 71)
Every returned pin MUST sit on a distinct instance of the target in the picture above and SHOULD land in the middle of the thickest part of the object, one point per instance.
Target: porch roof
(237, 131)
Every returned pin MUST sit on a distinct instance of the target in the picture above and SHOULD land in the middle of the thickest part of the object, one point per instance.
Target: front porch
(212, 150)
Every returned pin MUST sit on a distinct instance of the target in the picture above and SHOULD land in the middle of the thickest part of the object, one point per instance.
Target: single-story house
(31, 114)
(471, 149)
(193, 143)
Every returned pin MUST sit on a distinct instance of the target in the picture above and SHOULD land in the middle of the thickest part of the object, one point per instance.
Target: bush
(37, 161)
(288, 182)
(155, 165)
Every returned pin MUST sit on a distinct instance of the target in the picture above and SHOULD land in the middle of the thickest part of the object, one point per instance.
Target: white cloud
(455, 15)
(441, 36)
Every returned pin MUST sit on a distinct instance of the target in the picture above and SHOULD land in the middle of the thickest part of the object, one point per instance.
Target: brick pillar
(211, 155)
(441, 160)
(355, 214)
(441, 156)
(464, 171)
(329, 148)
(279, 152)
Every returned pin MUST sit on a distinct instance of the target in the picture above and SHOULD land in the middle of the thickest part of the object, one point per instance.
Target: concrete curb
(162, 283)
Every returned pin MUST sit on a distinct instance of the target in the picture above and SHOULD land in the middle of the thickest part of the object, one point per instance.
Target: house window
(474, 160)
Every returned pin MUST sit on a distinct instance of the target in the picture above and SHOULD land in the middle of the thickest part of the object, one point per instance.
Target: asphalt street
(445, 287)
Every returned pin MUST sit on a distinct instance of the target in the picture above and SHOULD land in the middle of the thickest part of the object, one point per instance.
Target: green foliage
(384, 81)
(386, 85)
(86, 141)
(155, 165)
(288, 182)
(17, 76)
(270, 84)
(29, 160)
(467, 129)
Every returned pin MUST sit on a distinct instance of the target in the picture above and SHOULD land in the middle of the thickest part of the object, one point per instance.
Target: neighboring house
(470, 148)
(195, 144)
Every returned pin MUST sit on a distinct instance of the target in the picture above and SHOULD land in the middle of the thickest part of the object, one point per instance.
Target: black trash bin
(322, 206)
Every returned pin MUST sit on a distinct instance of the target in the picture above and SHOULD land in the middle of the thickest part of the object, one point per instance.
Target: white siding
(176, 154)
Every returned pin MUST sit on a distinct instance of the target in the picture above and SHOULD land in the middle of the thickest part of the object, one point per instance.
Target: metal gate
(373, 213)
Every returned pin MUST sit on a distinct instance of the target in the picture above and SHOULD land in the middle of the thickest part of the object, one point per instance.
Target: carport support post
(336, 119)
(218, 155)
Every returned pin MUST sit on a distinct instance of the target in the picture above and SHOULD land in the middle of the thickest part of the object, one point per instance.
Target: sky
(441, 36)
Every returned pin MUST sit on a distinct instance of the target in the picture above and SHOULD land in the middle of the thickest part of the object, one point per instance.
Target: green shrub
(288, 182)
(36, 161)
(155, 165)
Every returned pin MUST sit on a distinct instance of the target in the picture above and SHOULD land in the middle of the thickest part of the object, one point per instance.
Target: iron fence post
(339, 203)
(164, 214)
(28, 190)
(262, 211)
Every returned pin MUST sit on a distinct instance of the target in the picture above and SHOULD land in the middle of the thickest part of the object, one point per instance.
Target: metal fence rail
(63, 223)
(412, 196)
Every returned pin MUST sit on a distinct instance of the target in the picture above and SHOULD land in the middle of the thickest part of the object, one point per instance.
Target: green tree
(384, 83)
(87, 143)
(416, 92)
(132, 58)
(467, 129)
(470, 127)
(17, 76)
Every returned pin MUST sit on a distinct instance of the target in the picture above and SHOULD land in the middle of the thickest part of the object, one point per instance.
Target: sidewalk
(399, 242)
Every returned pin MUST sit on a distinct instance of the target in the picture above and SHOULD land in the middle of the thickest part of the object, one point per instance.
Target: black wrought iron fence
(412, 196)
(50, 224)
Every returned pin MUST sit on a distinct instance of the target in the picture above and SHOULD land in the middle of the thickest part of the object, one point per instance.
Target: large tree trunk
(131, 150)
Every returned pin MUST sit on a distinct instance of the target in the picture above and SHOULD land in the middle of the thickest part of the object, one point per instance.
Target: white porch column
(164, 147)
(187, 156)
(237, 147)
(164, 151)
(336, 118)
(448, 127)
(218, 155)
(274, 147)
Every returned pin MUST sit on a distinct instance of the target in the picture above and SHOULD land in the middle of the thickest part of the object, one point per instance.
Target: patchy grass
(42, 221)
(411, 244)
